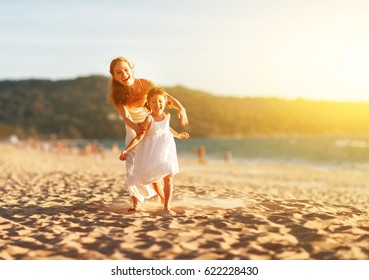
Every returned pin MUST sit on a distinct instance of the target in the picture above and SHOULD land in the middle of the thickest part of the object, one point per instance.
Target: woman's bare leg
(134, 206)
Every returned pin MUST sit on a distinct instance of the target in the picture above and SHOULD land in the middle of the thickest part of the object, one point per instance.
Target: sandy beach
(61, 206)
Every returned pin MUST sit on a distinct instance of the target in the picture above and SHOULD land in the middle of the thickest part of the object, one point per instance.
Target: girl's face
(157, 104)
(123, 73)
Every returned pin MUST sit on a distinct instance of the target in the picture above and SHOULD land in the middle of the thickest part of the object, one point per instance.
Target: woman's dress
(141, 192)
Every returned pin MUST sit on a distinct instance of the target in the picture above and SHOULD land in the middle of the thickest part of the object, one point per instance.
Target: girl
(128, 95)
(156, 156)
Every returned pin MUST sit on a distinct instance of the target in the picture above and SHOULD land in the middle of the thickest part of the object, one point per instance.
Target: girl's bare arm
(135, 141)
(179, 135)
(182, 115)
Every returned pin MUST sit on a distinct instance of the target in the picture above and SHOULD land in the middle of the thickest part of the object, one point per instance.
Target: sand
(61, 206)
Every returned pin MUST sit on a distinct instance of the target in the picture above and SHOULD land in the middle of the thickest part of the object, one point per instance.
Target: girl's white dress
(156, 154)
(141, 192)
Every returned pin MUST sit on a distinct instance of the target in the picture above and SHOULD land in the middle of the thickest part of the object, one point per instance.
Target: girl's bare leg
(159, 190)
(168, 191)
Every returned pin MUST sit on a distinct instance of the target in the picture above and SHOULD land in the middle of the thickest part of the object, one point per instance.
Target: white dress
(156, 154)
(141, 192)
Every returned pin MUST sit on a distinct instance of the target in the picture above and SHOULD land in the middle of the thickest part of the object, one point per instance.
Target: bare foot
(133, 208)
(167, 209)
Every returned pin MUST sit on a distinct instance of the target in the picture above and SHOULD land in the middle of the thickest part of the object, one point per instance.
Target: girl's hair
(118, 94)
(155, 91)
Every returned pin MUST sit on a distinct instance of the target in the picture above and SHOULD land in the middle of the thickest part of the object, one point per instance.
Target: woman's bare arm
(126, 116)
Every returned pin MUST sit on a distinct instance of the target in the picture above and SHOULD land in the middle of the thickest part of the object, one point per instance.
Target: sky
(310, 49)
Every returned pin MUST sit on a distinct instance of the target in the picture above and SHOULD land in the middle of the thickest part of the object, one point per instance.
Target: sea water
(322, 151)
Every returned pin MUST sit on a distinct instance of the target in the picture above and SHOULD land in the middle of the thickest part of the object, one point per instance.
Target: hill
(78, 109)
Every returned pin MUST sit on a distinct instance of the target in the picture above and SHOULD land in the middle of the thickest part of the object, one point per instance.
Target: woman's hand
(138, 129)
(182, 115)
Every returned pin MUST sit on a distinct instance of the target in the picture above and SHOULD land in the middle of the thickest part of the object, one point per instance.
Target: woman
(129, 95)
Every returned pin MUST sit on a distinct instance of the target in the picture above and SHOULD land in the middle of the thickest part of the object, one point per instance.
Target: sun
(356, 63)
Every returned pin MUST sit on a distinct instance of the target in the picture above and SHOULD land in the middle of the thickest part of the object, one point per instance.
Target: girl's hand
(182, 115)
(123, 156)
(183, 135)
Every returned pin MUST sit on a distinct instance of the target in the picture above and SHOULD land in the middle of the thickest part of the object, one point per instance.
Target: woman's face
(123, 73)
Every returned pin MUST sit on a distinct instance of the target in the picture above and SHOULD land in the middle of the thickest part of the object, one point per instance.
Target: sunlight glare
(356, 63)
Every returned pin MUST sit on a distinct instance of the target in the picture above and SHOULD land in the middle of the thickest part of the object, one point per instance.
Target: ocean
(321, 151)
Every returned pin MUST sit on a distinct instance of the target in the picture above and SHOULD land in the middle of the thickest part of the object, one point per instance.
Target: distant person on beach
(228, 156)
(156, 155)
(202, 155)
(128, 95)
(115, 148)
